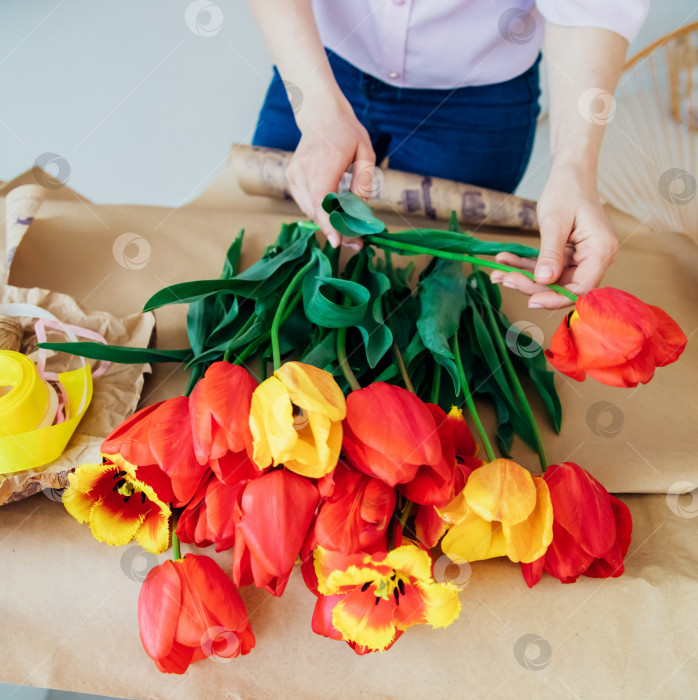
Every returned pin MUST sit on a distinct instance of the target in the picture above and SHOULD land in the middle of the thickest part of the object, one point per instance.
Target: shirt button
(394, 75)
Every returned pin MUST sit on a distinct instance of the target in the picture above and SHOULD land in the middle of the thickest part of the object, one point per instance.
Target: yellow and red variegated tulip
(501, 511)
(188, 610)
(376, 597)
(160, 435)
(615, 338)
(122, 502)
(296, 420)
(219, 407)
(356, 510)
(272, 520)
(591, 528)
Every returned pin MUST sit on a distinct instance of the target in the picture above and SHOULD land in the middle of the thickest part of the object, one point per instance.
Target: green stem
(469, 401)
(420, 250)
(342, 332)
(175, 544)
(513, 376)
(436, 384)
(254, 345)
(276, 323)
(396, 350)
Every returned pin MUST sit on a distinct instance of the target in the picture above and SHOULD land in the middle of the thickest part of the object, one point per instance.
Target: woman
(449, 88)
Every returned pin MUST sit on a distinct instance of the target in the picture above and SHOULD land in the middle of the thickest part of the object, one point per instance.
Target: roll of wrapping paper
(261, 171)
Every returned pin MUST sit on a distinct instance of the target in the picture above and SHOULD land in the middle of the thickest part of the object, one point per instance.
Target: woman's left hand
(577, 243)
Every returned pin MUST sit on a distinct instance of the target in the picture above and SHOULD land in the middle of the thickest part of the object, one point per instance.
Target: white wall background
(142, 107)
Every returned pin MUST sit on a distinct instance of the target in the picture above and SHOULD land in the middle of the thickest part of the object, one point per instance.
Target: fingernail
(534, 305)
(509, 284)
(544, 272)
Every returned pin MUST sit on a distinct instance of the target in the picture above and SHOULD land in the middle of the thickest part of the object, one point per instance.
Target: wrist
(324, 102)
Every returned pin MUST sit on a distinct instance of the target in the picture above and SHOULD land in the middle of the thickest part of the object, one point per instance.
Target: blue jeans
(481, 135)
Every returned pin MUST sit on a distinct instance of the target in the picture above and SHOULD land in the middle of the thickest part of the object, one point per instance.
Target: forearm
(584, 65)
(289, 30)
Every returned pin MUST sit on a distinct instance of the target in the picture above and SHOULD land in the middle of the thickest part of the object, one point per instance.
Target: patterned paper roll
(261, 171)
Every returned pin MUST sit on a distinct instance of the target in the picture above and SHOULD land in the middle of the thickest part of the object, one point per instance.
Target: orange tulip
(615, 338)
(188, 610)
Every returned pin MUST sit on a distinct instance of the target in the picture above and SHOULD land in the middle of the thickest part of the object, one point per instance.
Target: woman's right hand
(332, 140)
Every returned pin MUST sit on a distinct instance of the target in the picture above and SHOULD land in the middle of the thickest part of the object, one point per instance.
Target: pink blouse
(453, 43)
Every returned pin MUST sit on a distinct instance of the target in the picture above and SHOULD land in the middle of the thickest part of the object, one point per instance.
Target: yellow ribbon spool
(24, 395)
(27, 408)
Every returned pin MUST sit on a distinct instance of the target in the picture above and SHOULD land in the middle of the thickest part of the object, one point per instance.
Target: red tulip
(390, 434)
(160, 435)
(210, 516)
(219, 408)
(275, 514)
(356, 512)
(189, 609)
(591, 528)
(615, 338)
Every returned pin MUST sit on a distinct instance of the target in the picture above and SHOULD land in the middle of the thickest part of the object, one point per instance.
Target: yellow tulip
(296, 420)
(502, 511)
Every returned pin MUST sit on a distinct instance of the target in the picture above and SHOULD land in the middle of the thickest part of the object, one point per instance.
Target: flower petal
(365, 620)
(313, 389)
(501, 490)
(159, 603)
(271, 422)
(582, 507)
(219, 407)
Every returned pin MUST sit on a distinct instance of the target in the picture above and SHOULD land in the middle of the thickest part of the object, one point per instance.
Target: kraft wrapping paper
(69, 610)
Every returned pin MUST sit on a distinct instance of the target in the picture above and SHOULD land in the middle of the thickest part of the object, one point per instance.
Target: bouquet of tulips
(330, 419)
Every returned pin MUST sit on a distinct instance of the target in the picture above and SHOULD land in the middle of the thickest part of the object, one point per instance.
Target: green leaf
(324, 353)
(350, 215)
(320, 309)
(442, 300)
(256, 282)
(376, 335)
(232, 257)
(504, 432)
(227, 326)
(488, 353)
(119, 353)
